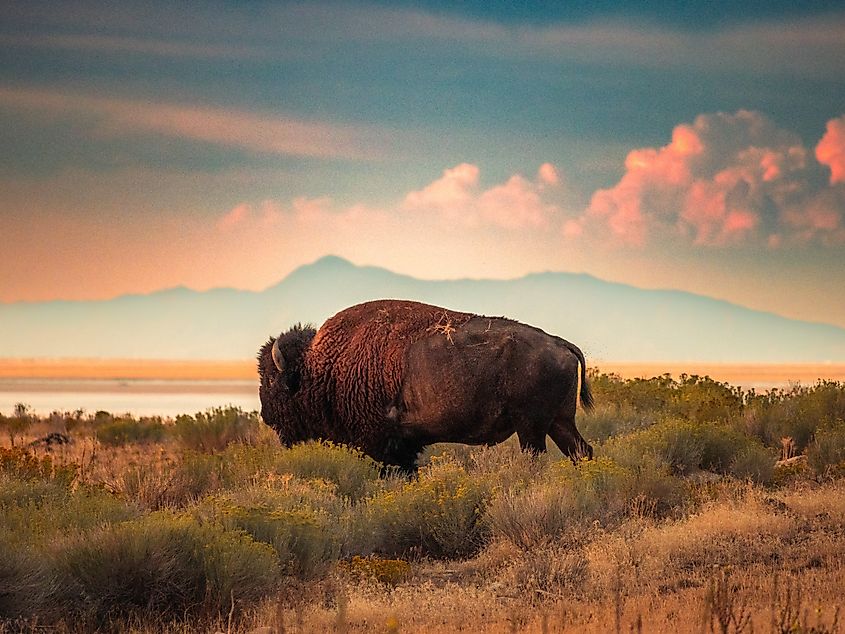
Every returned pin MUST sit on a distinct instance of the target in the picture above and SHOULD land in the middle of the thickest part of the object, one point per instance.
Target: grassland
(686, 521)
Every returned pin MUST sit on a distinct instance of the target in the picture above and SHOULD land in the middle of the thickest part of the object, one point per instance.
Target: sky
(693, 146)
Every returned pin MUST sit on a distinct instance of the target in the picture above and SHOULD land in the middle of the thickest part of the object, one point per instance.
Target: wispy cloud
(155, 47)
(257, 132)
(809, 46)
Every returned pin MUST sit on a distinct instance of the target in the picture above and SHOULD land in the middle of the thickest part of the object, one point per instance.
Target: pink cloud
(451, 193)
(517, 203)
(513, 204)
(548, 175)
(724, 179)
(831, 149)
(236, 216)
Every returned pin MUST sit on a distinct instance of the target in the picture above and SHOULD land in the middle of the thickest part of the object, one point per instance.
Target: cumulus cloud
(724, 179)
(831, 149)
(455, 198)
(452, 193)
(517, 203)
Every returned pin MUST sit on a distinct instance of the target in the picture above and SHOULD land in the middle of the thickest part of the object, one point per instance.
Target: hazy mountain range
(608, 321)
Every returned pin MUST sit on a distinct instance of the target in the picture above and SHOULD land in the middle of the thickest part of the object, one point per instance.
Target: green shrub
(754, 462)
(160, 567)
(676, 443)
(687, 446)
(350, 470)
(124, 431)
(570, 497)
(24, 583)
(216, 428)
(826, 453)
(691, 397)
(437, 514)
(39, 499)
(33, 511)
(301, 521)
(354, 474)
(796, 412)
(506, 466)
(702, 399)
(612, 419)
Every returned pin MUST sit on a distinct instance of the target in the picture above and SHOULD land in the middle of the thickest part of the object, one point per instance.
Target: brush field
(707, 509)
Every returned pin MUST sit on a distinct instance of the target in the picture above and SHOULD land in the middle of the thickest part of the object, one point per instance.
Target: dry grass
(710, 553)
(755, 595)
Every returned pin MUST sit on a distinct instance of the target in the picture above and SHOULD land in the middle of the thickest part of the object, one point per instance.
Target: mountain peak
(330, 262)
(326, 267)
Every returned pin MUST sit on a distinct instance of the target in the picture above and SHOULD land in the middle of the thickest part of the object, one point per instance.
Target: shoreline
(214, 375)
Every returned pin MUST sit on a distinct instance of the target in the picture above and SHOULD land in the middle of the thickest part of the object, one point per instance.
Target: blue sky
(698, 146)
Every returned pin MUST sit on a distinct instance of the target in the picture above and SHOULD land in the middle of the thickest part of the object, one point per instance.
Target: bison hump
(362, 352)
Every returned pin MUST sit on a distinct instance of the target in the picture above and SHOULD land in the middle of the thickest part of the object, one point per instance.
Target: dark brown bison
(391, 377)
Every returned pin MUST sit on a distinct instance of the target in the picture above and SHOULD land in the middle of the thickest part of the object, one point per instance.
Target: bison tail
(586, 394)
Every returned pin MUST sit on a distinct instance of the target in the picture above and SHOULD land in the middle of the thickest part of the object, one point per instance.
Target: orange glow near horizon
(245, 369)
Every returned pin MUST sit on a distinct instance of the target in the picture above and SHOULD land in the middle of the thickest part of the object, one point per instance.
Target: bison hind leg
(570, 442)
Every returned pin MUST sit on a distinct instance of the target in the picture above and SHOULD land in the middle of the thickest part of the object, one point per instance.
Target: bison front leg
(532, 440)
(402, 453)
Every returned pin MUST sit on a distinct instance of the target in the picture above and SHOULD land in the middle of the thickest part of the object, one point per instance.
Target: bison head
(281, 365)
(288, 354)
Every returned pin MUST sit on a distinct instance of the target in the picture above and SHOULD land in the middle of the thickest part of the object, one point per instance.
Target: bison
(390, 377)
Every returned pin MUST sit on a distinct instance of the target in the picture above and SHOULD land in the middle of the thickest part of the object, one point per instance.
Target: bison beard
(391, 377)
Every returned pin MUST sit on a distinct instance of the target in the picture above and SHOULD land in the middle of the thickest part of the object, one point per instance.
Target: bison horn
(278, 359)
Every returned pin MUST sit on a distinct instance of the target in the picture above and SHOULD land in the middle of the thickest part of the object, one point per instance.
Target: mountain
(608, 321)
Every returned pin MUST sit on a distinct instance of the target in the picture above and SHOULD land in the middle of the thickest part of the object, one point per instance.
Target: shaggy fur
(392, 376)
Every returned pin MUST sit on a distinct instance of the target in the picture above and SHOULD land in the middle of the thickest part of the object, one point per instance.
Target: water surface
(136, 397)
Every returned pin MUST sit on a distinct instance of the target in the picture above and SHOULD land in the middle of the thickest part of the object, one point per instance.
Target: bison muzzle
(390, 377)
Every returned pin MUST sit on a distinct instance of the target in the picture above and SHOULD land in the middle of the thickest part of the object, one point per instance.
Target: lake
(168, 388)
(137, 397)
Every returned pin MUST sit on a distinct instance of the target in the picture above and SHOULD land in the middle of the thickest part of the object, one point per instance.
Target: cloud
(453, 193)
(831, 149)
(133, 45)
(805, 46)
(236, 216)
(724, 179)
(229, 127)
(515, 204)
(548, 175)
